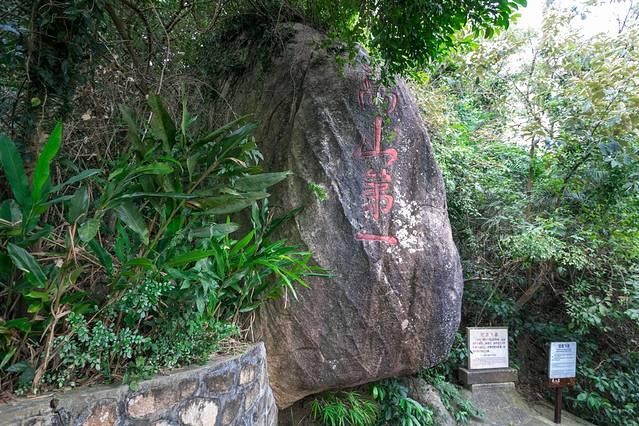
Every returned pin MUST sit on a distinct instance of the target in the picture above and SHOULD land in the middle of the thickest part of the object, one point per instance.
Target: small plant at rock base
(397, 408)
(344, 409)
(319, 191)
(459, 407)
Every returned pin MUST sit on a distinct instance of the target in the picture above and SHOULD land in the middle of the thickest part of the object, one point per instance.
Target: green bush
(104, 272)
(397, 408)
(410, 35)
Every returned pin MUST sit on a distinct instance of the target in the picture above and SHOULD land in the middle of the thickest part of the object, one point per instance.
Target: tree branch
(121, 29)
(149, 34)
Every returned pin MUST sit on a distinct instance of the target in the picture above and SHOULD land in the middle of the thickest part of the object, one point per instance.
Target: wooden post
(562, 369)
(558, 394)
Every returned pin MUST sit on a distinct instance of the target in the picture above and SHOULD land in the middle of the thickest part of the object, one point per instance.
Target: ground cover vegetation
(384, 403)
(537, 134)
(115, 237)
(388, 402)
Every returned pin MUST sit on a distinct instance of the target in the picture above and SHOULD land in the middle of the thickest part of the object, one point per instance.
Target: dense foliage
(387, 403)
(410, 35)
(51, 51)
(116, 242)
(140, 272)
(538, 138)
(397, 408)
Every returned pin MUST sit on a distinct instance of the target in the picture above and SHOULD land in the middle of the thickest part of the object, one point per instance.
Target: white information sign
(488, 347)
(562, 362)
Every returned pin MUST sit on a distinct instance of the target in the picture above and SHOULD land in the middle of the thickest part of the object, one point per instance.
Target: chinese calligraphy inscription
(378, 180)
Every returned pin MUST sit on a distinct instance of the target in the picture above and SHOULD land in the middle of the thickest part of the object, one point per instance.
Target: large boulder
(394, 302)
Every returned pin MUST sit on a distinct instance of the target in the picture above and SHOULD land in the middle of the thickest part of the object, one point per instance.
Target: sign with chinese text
(562, 363)
(488, 347)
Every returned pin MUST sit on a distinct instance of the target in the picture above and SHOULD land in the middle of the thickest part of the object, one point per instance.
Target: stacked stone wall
(232, 390)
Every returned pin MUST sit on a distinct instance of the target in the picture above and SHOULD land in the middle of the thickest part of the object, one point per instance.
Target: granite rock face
(394, 302)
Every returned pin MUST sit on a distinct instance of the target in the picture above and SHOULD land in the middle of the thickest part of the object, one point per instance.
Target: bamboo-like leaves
(219, 132)
(89, 229)
(10, 213)
(259, 182)
(191, 256)
(170, 196)
(187, 119)
(77, 178)
(103, 256)
(227, 204)
(14, 171)
(128, 213)
(78, 205)
(24, 261)
(133, 135)
(162, 125)
(236, 137)
(43, 165)
(214, 230)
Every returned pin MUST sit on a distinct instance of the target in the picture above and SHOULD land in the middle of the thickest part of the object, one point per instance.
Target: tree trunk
(531, 287)
(531, 176)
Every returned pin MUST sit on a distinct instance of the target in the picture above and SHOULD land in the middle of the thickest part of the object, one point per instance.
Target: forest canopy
(48, 48)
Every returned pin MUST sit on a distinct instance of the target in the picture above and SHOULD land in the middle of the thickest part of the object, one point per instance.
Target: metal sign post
(562, 369)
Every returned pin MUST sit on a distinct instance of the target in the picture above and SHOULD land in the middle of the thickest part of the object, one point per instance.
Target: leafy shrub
(396, 408)
(609, 391)
(140, 259)
(92, 348)
(410, 35)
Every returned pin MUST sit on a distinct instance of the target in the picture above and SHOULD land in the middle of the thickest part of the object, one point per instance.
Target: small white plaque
(562, 363)
(488, 347)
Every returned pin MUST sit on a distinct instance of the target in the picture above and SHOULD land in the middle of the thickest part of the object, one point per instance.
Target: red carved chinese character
(392, 102)
(368, 92)
(377, 147)
(370, 237)
(377, 193)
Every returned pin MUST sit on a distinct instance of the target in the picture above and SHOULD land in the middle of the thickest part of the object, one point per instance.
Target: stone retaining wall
(227, 391)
